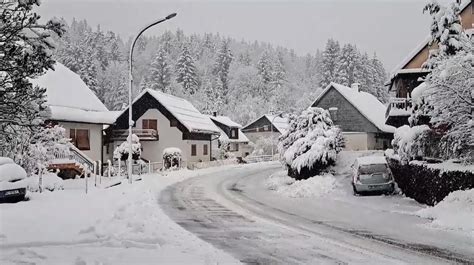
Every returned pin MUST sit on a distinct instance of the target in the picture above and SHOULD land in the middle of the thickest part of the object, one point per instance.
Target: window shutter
(82, 137)
(193, 150)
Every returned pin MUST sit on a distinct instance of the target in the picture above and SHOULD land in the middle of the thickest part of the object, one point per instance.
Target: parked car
(371, 174)
(12, 188)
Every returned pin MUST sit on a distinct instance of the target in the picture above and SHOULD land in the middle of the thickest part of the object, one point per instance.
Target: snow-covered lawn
(119, 225)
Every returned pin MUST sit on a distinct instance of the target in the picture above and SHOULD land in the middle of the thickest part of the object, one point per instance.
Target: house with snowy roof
(406, 75)
(360, 115)
(266, 127)
(231, 135)
(164, 121)
(76, 108)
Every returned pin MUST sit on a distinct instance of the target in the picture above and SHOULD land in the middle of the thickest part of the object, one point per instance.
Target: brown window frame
(85, 146)
(205, 150)
(193, 150)
(150, 124)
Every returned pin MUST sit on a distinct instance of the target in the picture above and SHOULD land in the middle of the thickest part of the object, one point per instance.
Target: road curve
(215, 209)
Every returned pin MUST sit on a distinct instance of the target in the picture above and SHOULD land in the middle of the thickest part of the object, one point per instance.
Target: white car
(12, 188)
(372, 174)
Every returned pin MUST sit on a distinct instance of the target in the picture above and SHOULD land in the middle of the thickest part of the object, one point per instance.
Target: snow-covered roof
(226, 121)
(281, 123)
(367, 104)
(183, 111)
(70, 99)
(371, 160)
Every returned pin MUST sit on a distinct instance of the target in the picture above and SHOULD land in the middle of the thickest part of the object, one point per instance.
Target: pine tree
(346, 65)
(160, 74)
(378, 78)
(264, 67)
(330, 60)
(221, 68)
(186, 71)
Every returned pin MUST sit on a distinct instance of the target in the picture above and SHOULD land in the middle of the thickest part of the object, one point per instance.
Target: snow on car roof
(69, 98)
(226, 121)
(367, 104)
(183, 111)
(371, 160)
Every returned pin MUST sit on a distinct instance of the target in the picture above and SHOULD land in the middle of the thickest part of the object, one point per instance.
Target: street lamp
(130, 76)
(280, 114)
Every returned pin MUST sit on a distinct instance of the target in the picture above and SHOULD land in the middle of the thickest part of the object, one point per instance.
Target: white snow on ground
(455, 212)
(120, 225)
(313, 187)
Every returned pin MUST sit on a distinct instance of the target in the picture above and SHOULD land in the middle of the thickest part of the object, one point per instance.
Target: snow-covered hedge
(410, 142)
(172, 157)
(428, 183)
(50, 181)
(310, 144)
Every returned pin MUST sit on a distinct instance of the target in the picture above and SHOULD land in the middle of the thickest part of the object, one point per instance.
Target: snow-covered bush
(121, 152)
(311, 143)
(410, 142)
(172, 157)
(50, 181)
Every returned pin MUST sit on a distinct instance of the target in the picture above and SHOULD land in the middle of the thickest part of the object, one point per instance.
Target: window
(193, 150)
(173, 123)
(236, 147)
(258, 129)
(204, 149)
(150, 124)
(265, 127)
(233, 133)
(80, 138)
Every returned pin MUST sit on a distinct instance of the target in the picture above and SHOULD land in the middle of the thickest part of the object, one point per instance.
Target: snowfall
(122, 224)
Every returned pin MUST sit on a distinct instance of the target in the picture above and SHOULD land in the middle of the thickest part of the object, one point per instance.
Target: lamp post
(130, 76)
(271, 130)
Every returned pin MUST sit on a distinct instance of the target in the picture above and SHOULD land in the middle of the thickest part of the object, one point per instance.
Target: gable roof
(419, 48)
(182, 110)
(242, 137)
(279, 123)
(70, 99)
(226, 121)
(367, 104)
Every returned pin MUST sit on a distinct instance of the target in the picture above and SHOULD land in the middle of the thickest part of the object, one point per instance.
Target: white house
(231, 135)
(162, 121)
(360, 115)
(76, 108)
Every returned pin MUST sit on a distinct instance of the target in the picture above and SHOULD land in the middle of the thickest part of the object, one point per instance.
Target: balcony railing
(143, 134)
(398, 107)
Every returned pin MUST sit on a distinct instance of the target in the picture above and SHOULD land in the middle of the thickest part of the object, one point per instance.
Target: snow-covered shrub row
(316, 186)
(310, 144)
(410, 142)
(121, 152)
(456, 211)
(51, 182)
(172, 157)
(429, 184)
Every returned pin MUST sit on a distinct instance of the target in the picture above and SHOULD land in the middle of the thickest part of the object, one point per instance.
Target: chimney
(214, 114)
(355, 86)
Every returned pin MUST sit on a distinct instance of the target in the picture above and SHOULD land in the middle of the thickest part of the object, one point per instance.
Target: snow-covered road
(234, 211)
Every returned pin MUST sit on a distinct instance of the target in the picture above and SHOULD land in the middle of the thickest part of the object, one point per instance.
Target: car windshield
(371, 169)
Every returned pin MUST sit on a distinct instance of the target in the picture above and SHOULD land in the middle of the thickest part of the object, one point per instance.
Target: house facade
(236, 142)
(162, 121)
(267, 128)
(406, 76)
(360, 115)
(76, 108)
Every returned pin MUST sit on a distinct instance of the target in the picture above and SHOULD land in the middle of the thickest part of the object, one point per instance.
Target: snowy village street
(235, 212)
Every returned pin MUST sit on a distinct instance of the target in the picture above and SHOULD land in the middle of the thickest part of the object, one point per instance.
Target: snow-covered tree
(330, 60)
(264, 67)
(221, 68)
(310, 144)
(186, 71)
(160, 73)
(346, 65)
(123, 150)
(377, 77)
(25, 52)
(446, 30)
(115, 80)
(451, 99)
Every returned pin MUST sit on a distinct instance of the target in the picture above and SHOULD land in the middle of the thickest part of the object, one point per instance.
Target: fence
(256, 159)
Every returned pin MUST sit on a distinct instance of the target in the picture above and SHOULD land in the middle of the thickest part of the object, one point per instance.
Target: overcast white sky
(391, 28)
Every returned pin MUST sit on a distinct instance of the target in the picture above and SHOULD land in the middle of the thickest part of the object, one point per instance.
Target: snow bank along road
(232, 210)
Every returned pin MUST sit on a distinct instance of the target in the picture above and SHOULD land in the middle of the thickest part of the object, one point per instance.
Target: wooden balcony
(143, 134)
(398, 111)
